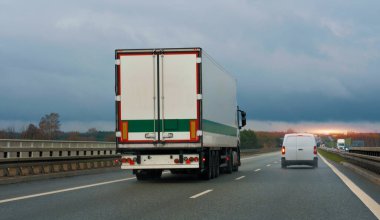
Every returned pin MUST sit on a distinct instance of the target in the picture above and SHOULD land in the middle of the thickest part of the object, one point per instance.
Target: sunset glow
(315, 127)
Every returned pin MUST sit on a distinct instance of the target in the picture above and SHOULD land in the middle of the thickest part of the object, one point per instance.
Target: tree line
(250, 139)
(49, 127)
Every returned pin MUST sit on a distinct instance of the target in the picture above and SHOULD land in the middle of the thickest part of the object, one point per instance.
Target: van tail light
(315, 150)
(283, 150)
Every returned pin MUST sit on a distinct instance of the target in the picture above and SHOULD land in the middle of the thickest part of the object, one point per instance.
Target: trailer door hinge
(118, 133)
(117, 62)
(117, 98)
(199, 60)
(199, 133)
(199, 96)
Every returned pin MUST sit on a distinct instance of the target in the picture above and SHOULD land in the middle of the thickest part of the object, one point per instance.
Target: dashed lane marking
(239, 178)
(200, 194)
(257, 170)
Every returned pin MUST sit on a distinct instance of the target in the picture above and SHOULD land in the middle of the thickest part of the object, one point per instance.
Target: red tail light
(123, 160)
(283, 150)
(196, 159)
(315, 150)
(176, 160)
(204, 159)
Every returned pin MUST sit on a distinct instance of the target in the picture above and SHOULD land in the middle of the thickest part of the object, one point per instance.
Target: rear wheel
(207, 173)
(217, 169)
(229, 163)
(235, 166)
(283, 163)
(213, 170)
(315, 163)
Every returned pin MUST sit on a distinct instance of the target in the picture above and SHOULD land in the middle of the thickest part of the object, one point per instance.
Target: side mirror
(243, 119)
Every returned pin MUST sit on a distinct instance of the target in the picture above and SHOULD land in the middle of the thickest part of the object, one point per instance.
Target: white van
(299, 149)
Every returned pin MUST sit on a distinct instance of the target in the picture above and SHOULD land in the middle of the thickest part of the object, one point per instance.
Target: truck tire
(213, 164)
(235, 168)
(141, 175)
(217, 164)
(207, 173)
(229, 163)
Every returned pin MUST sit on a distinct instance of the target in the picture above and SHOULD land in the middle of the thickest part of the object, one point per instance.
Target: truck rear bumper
(131, 162)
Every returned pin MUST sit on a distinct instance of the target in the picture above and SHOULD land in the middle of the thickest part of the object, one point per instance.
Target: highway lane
(257, 191)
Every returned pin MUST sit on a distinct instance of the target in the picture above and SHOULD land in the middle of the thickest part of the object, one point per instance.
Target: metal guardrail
(30, 157)
(19, 150)
(365, 157)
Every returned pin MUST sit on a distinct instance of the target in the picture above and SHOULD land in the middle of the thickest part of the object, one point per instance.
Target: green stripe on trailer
(218, 128)
(171, 125)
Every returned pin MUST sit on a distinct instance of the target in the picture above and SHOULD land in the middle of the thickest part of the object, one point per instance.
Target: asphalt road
(260, 190)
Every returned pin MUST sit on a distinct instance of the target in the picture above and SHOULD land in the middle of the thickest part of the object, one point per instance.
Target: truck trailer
(176, 110)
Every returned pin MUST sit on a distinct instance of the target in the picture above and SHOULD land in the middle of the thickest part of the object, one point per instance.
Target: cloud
(294, 61)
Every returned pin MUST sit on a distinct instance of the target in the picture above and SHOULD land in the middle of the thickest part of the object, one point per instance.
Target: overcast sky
(297, 63)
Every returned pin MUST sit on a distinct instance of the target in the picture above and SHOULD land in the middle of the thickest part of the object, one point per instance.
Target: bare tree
(74, 136)
(31, 132)
(49, 125)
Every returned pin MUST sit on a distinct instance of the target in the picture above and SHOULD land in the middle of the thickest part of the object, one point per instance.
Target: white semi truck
(341, 144)
(176, 110)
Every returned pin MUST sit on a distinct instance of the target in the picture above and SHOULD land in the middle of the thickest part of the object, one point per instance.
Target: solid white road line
(257, 170)
(239, 178)
(368, 201)
(200, 194)
(68, 189)
(64, 190)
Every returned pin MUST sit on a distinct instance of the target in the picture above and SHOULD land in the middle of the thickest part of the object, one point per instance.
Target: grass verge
(331, 156)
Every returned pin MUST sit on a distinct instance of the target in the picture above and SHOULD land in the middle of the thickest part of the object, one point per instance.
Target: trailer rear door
(158, 96)
(178, 101)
